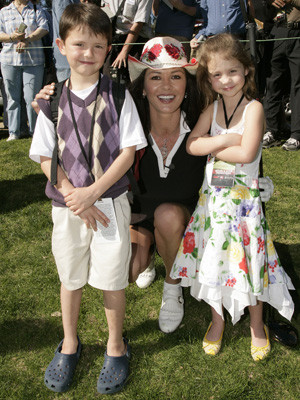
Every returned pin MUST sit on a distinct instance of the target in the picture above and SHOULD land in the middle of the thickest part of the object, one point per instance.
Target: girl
(227, 255)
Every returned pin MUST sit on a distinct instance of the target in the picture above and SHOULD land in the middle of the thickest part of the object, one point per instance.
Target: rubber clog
(59, 374)
(115, 372)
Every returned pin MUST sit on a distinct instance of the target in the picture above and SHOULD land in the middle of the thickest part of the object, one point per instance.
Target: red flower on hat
(173, 51)
(143, 53)
(153, 53)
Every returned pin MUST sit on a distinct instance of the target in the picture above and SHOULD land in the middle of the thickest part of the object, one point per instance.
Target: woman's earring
(144, 95)
(185, 96)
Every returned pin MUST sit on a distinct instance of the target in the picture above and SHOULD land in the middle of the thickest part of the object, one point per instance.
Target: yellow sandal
(212, 348)
(259, 353)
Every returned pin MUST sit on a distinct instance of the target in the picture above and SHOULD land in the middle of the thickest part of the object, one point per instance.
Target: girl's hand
(91, 215)
(232, 139)
(80, 199)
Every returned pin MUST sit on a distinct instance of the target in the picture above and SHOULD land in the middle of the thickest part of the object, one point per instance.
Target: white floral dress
(227, 256)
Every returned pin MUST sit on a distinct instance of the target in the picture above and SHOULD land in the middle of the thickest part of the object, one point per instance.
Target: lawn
(163, 366)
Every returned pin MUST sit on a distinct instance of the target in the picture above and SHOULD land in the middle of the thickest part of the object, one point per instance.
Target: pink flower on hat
(173, 51)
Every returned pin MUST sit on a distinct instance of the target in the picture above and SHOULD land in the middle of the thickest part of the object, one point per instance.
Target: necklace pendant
(164, 150)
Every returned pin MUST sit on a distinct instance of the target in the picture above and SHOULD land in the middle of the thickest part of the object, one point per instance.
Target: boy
(92, 144)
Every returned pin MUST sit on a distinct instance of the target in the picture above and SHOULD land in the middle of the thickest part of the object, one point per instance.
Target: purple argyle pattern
(106, 139)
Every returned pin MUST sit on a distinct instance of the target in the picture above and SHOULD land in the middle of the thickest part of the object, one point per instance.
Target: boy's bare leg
(70, 306)
(114, 303)
(257, 325)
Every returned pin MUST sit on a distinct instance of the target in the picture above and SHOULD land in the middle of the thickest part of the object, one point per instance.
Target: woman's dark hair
(85, 15)
(192, 104)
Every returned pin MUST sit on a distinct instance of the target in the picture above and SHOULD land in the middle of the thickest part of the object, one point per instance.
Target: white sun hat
(161, 53)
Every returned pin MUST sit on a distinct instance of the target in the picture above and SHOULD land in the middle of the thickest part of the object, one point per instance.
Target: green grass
(163, 366)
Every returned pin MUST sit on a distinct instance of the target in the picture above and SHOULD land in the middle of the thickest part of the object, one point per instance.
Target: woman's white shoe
(147, 277)
(172, 310)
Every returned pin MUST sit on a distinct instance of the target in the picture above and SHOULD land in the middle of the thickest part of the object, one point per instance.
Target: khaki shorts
(80, 260)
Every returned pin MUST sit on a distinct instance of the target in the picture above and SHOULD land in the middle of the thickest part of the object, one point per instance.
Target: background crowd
(136, 21)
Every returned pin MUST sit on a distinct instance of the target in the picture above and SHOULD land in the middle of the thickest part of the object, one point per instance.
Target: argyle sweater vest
(106, 139)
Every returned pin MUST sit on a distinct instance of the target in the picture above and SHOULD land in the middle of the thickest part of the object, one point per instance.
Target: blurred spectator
(220, 16)
(176, 18)
(61, 63)
(131, 26)
(49, 73)
(97, 2)
(22, 60)
(285, 61)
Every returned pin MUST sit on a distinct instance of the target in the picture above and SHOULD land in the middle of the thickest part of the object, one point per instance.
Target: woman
(22, 60)
(164, 89)
(168, 178)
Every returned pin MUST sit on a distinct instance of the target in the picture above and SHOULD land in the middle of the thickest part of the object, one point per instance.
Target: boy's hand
(45, 94)
(80, 199)
(91, 215)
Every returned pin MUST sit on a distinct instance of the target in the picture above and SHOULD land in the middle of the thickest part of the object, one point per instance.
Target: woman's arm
(200, 144)
(250, 140)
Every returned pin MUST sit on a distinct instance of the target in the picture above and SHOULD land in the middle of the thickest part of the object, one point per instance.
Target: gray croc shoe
(115, 372)
(59, 374)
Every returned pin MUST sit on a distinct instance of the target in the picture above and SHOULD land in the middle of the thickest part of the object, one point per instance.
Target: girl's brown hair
(230, 47)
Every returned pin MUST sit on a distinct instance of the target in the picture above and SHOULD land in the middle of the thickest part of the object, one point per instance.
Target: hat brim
(136, 67)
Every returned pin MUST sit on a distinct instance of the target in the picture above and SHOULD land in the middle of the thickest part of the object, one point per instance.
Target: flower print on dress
(230, 282)
(188, 243)
(243, 265)
(183, 272)
(248, 209)
(246, 237)
(174, 51)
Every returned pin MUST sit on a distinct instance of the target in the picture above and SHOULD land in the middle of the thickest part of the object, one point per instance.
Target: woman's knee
(170, 218)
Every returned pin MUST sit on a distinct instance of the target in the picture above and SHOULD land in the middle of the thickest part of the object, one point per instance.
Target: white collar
(164, 169)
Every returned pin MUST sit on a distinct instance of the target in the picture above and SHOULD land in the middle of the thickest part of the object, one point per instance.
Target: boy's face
(85, 52)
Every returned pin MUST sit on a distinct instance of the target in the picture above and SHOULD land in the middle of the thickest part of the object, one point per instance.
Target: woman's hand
(45, 94)
(80, 199)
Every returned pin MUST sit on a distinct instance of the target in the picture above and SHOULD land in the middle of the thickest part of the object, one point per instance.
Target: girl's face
(165, 89)
(227, 76)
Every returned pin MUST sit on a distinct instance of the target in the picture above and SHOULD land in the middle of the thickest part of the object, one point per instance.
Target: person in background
(22, 60)
(220, 16)
(61, 63)
(285, 58)
(176, 18)
(131, 26)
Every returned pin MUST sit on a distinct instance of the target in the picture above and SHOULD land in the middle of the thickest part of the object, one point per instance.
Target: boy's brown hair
(230, 47)
(88, 16)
